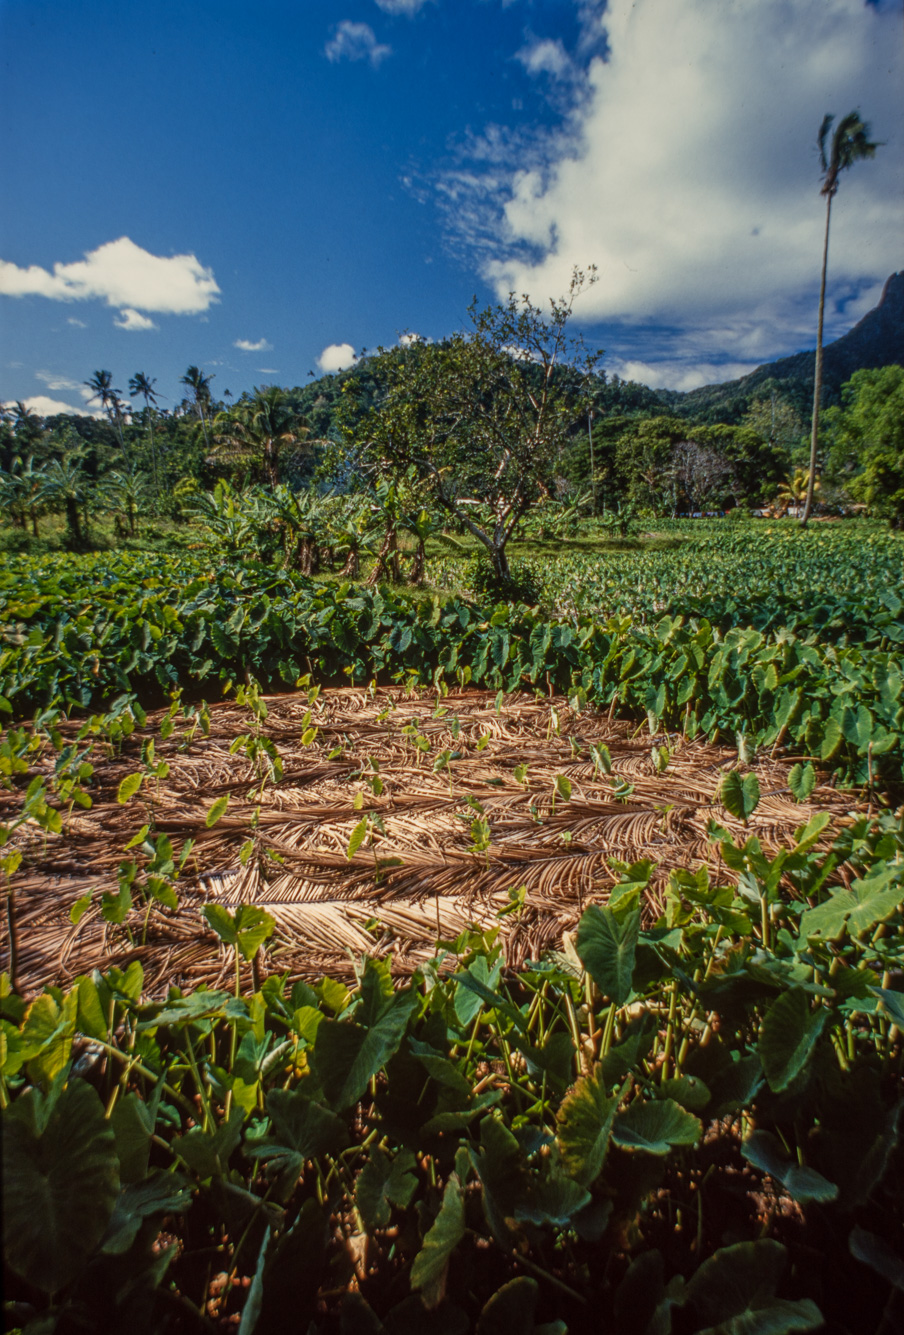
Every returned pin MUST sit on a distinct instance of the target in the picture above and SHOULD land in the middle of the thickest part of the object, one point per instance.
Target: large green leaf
(607, 946)
(60, 1182)
(160, 1194)
(300, 1130)
(869, 901)
(764, 1151)
(510, 1311)
(584, 1125)
(733, 1292)
(347, 1055)
(788, 1035)
(382, 1183)
(289, 1273)
(655, 1125)
(740, 796)
(428, 1273)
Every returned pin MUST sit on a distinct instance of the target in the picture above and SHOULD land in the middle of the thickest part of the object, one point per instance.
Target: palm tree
(199, 384)
(259, 430)
(139, 384)
(66, 488)
(126, 494)
(850, 144)
(101, 385)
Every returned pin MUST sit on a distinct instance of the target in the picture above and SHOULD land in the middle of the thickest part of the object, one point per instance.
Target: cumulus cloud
(246, 345)
(45, 406)
(121, 274)
(132, 319)
(406, 340)
(356, 41)
(336, 357)
(688, 174)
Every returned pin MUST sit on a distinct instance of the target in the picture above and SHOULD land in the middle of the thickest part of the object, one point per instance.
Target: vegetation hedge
(79, 633)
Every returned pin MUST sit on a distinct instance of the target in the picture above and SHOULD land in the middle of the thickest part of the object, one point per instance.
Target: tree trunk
(352, 564)
(387, 560)
(418, 563)
(34, 523)
(72, 519)
(817, 376)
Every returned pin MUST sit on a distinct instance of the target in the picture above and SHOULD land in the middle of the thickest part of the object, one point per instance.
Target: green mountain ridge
(876, 340)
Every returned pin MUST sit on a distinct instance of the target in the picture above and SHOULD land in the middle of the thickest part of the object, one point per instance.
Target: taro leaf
(802, 781)
(60, 1182)
(584, 1121)
(441, 1069)
(655, 1126)
(247, 929)
(161, 1193)
(554, 1198)
(359, 834)
(467, 1002)
(869, 900)
(788, 1035)
(289, 1273)
(216, 810)
(876, 1253)
(735, 1290)
(511, 1309)
(503, 1175)
(639, 1294)
(47, 1036)
(300, 1130)
(740, 796)
(133, 1125)
(736, 1085)
(687, 1090)
(563, 787)
(347, 1055)
(428, 1273)
(892, 1004)
(607, 947)
(128, 788)
(803, 1184)
(382, 1183)
(208, 1153)
(357, 1317)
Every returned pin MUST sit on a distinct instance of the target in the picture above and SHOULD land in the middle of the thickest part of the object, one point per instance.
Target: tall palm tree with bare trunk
(199, 384)
(101, 385)
(850, 144)
(140, 384)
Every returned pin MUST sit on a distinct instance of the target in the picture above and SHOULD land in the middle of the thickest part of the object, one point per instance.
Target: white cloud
(547, 57)
(268, 370)
(134, 320)
(57, 382)
(45, 406)
(79, 324)
(337, 357)
(121, 274)
(683, 375)
(688, 174)
(406, 340)
(407, 7)
(356, 41)
(247, 346)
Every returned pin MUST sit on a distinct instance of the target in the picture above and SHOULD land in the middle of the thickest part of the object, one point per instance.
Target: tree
(868, 432)
(259, 431)
(66, 487)
(850, 144)
(199, 384)
(485, 415)
(101, 385)
(126, 494)
(140, 384)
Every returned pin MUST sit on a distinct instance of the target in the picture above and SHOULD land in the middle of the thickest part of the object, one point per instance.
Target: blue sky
(313, 177)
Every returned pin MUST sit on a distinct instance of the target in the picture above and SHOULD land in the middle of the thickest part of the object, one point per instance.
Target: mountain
(876, 340)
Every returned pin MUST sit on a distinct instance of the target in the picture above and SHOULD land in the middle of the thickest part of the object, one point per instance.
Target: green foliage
(451, 1133)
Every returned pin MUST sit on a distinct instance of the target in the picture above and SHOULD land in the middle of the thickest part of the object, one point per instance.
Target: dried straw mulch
(428, 881)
